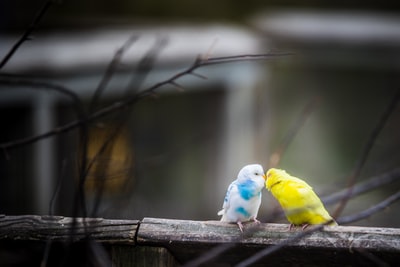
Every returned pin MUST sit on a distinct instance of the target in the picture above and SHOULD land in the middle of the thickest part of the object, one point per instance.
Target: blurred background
(173, 154)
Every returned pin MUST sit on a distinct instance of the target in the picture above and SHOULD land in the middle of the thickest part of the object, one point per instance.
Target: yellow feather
(298, 200)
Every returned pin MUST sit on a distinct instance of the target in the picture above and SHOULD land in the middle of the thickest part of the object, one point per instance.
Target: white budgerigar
(243, 197)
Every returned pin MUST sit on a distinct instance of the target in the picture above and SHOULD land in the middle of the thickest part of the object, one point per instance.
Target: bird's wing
(231, 189)
(314, 206)
(296, 182)
(304, 194)
(295, 193)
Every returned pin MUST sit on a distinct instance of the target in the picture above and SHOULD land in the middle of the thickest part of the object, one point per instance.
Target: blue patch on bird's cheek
(242, 211)
(247, 190)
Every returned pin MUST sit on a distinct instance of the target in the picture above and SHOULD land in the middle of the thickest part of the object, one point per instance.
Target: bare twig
(25, 36)
(218, 250)
(105, 148)
(210, 254)
(291, 133)
(144, 66)
(178, 86)
(270, 250)
(245, 57)
(198, 63)
(372, 258)
(112, 67)
(366, 151)
(46, 253)
(207, 55)
(371, 184)
(57, 188)
(370, 211)
(15, 81)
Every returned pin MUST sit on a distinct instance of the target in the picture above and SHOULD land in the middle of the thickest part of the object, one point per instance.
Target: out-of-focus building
(176, 150)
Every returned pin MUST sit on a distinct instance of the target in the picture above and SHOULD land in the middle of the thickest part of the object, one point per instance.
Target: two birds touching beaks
(297, 199)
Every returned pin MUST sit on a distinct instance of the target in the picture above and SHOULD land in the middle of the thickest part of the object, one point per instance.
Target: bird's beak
(265, 176)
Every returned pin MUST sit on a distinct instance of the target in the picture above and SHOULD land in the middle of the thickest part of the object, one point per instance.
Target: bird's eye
(256, 173)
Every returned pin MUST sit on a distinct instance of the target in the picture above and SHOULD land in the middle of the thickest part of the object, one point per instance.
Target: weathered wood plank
(165, 231)
(341, 244)
(59, 228)
(211, 243)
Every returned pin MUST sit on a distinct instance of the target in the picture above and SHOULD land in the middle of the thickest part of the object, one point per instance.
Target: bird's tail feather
(222, 213)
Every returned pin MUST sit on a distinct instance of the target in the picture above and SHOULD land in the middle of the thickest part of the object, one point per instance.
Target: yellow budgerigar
(298, 200)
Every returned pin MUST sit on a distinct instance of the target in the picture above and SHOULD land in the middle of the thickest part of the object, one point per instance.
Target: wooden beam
(59, 228)
(165, 231)
(211, 243)
(331, 246)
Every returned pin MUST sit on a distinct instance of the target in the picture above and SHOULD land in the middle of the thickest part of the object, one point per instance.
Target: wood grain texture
(59, 228)
(165, 231)
(331, 246)
(167, 242)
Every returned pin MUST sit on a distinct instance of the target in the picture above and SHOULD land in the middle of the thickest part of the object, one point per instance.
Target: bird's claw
(303, 226)
(239, 223)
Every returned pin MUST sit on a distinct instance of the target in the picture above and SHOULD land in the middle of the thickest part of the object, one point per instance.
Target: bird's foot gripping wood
(256, 221)
(239, 223)
(303, 226)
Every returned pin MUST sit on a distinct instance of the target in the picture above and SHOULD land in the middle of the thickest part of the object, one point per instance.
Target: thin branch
(46, 253)
(275, 158)
(207, 55)
(27, 33)
(16, 81)
(218, 250)
(112, 67)
(198, 75)
(244, 57)
(60, 179)
(371, 184)
(371, 257)
(210, 254)
(366, 151)
(142, 70)
(144, 66)
(370, 211)
(178, 86)
(106, 147)
(272, 249)
(358, 189)
(38, 85)
(198, 63)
